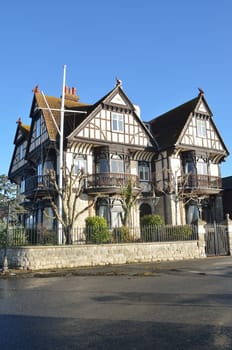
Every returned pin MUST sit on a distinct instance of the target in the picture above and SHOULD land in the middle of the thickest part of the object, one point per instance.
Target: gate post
(201, 237)
(229, 230)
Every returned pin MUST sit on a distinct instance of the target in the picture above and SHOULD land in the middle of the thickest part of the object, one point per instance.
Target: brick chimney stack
(71, 94)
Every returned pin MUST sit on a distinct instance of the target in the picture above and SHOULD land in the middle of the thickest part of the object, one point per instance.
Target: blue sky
(162, 50)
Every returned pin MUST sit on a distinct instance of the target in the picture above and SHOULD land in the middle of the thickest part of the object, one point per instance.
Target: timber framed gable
(201, 132)
(38, 134)
(21, 141)
(113, 120)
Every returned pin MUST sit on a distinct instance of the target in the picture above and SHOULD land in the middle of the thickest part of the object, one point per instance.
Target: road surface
(179, 305)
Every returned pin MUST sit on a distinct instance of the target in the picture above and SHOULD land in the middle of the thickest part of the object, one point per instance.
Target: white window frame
(144, 170)
(79, 163)
(202, 168)
(117, 122)
(117, 166)
(201, 128)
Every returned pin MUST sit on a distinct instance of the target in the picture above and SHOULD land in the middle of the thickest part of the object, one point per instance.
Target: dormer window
(117, 122)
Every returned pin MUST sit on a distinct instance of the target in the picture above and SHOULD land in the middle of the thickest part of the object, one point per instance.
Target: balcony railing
(111, 180)
(195, 181)
(39, 184)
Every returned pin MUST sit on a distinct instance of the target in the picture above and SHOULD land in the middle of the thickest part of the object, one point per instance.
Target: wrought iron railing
(202, 181)
(20, 236)
(38, 183)
(111, 180)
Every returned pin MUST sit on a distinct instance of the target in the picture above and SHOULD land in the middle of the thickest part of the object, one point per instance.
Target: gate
(217, 241)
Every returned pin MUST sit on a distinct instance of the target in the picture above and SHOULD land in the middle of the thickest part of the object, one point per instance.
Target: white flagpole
(61, 161)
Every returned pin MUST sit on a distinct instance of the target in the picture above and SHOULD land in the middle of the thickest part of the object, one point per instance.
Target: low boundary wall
(71, 256)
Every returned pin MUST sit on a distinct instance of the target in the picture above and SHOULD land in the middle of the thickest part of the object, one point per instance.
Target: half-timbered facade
(107, 142)
(187, 169)
(172, 162)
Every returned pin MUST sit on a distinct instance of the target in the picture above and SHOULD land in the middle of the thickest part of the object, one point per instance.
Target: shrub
(178, 233)
(122, 234)
(97, 230)
(149, 227)
(151, 219)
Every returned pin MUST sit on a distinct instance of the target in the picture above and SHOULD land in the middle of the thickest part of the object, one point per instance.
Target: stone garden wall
(71, 256)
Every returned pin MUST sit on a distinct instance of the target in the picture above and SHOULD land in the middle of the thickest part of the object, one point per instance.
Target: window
(144, 173)
(201, 128)
(103, 209)
(202, 168)
(40, 173)
(21, 151)
(111, 210)
(22, 185)
(190, 168)
(192, 214)
(117, 122)
(102, 166)
(37, 128)
(79, 164)
(117, 166)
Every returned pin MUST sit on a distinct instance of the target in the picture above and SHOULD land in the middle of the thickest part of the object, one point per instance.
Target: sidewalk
(201, 266)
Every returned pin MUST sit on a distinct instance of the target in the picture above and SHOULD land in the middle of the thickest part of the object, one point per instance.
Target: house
(107, 142)
(227, 195)
(187, 168)
(172, 163)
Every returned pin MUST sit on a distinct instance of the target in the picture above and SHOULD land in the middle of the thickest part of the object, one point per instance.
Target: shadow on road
(23, 332)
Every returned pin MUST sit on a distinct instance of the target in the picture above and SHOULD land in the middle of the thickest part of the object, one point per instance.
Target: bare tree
(177, 184)
(73, 188)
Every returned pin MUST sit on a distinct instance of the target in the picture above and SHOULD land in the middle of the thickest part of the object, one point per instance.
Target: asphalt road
(175, 305)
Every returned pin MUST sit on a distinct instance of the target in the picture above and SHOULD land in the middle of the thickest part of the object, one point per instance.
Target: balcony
(38, 186)
(111, 182)
(202, 184)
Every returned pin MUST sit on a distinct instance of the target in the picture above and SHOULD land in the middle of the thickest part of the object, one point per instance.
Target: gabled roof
(108, 100)
(71, 119)
(22, 130)
(167, 127)
(22, 134)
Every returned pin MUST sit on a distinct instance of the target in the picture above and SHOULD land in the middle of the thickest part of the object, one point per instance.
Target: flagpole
(61, 160)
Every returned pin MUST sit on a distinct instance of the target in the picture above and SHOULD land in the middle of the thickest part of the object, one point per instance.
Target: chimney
(71, 94)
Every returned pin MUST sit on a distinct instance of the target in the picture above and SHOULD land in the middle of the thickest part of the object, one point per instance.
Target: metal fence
(19, 236)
